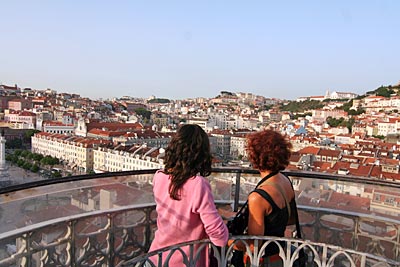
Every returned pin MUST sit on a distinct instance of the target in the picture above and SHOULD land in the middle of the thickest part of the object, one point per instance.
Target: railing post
(28, 255)
(111, 239)
(148, 229)
(237, 191)
(72, 240)
(397, 251)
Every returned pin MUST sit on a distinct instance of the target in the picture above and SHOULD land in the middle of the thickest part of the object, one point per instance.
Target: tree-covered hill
(294, 106)
(159, 100)
(303, 106)
(385, 91)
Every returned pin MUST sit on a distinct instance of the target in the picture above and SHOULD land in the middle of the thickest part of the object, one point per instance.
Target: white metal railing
(98, 238)
(104, 236)
(318, 254)
(121, 237)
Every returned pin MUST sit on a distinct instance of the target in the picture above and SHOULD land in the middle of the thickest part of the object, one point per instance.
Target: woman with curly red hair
(269, 152)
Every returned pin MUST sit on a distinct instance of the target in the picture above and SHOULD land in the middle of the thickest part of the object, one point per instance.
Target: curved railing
(100, 220)
(98, 238)
(119, 241)
(316, 254)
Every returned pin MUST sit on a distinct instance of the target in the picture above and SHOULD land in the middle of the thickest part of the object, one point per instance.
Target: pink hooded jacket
(193, 217)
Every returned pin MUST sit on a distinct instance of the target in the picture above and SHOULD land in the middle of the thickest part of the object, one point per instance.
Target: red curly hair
(268, 150)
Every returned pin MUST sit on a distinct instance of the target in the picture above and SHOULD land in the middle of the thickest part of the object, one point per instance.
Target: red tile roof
(309, 150)
(329, 152)
(113, 126)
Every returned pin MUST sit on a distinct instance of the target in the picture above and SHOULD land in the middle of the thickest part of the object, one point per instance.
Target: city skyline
(177, 50)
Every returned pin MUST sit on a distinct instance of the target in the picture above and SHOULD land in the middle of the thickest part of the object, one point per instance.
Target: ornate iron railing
(98, 238)
(317, 254)
(113, 232)
(110, 238)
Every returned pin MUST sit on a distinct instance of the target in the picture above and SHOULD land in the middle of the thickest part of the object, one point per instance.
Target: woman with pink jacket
(184, 202)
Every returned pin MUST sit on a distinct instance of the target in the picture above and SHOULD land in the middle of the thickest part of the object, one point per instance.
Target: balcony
(109, 220)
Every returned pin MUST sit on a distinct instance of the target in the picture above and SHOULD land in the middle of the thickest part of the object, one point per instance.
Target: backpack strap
(280, 189)
(267, 197)
(296, 213)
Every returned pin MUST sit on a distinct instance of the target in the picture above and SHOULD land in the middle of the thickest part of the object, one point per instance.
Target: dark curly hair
(187, 154)
(268, 150)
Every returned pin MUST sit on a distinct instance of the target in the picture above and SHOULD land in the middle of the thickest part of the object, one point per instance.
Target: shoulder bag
(293, 213)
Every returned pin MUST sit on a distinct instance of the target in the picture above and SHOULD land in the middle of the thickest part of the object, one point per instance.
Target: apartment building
(27, 118)
(388, 126)
(58, 127)
(10, 89)
(124, 158)
(145, 136)
(83, 126)
(223, 143)
(202, 122)
(328, 155)
(85, 154)
(340, 95)
(322, 114)
(238, 146)
(218, 119)
(19, 104)
(75, 151)
(385, 201)
(160, 119)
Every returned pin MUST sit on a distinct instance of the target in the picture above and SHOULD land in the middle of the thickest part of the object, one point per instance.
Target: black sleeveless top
(275, 222)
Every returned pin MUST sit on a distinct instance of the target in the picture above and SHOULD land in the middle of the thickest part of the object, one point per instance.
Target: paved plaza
(15, 175)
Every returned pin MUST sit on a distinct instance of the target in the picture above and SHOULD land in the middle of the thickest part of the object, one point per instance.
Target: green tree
(25, 154)
(90, 172)
(356, 112)
(267, 107)
(159, 100)
(49, 160)
(14, 159)
(298, 115)
(333, 122)
(349, 124)
(294, 106)
(56, 174)
(20, 162)
(14, 144)
(384, 91)
(346, 106)
(34, 168)
(27, 165)
(55, 161)
(29, 133)
(143, 112)
(226, 93)
(37, 157)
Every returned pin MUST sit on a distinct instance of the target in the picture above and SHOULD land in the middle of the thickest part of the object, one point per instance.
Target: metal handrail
(109, 228)
(302, 174)
(318, 254)
(30, 244)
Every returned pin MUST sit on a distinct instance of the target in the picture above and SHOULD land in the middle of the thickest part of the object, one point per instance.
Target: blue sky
(179, 49)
